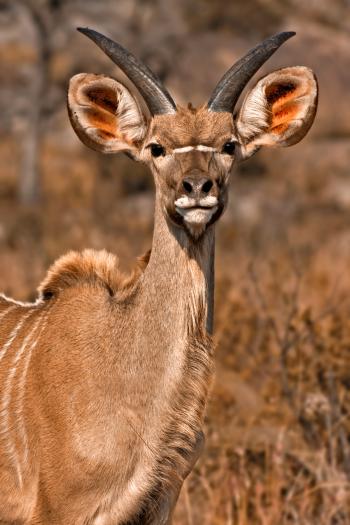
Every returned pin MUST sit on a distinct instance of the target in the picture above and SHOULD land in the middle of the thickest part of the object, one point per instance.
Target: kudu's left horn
(231, 85)
(157, 98)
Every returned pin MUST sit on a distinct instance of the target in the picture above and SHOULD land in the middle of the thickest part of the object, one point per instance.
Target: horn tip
(285, 35)
(95, 36)
(278, 39)
(83, 29)
(87, 31)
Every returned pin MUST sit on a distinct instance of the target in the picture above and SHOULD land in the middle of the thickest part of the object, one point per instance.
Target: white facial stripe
(199, 147)
(185, 149)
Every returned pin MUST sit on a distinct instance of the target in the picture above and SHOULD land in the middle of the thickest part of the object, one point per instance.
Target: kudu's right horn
(231, 85)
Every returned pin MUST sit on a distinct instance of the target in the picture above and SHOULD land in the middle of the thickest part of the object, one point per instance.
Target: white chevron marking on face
(184, 149)
(199, 147)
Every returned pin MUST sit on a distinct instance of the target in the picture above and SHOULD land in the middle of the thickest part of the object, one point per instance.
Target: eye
(229, 148)
(157, 150)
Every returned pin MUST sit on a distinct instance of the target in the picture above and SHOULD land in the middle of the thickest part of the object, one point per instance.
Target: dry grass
(278, 424)
(278, 427)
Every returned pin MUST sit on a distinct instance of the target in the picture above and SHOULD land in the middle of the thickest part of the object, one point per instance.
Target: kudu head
(191, 151)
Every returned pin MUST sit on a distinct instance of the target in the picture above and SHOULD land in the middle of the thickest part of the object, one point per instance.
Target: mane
(98, 268)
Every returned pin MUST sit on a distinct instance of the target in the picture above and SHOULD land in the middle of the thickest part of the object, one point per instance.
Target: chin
(195, 231)
(196, 220)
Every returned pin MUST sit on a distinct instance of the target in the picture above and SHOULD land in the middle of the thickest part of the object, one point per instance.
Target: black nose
(197, 188)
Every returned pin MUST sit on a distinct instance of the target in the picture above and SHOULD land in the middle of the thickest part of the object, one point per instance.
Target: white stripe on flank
(21, 303)
(5, 422)
(13, 335)
(8, 310)
(21, 389)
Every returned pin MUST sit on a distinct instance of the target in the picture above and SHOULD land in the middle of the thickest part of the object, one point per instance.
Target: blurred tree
(39, 15)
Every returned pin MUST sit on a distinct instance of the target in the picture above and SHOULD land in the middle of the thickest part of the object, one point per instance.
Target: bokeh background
(278, 426)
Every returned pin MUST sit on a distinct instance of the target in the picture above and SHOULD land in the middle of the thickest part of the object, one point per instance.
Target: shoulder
(90, 267)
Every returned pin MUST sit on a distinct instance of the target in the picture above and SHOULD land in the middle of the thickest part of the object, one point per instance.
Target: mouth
(196, 212)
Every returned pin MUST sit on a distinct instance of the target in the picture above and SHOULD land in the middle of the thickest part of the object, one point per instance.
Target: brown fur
(279, 110)
(104, 380)
(191, 127)
(78, 284)
(95, 268)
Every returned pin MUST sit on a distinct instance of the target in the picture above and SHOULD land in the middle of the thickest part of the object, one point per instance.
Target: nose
(197, 188)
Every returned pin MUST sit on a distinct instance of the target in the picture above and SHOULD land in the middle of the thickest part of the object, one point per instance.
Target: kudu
(104, 379)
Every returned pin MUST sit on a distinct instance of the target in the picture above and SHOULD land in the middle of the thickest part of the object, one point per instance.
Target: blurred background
(278, 428)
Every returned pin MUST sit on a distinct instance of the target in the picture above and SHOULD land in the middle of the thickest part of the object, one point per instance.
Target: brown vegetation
(278, 425)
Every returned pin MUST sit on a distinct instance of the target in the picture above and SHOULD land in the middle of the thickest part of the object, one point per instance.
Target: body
(151, 427)
(104, 380)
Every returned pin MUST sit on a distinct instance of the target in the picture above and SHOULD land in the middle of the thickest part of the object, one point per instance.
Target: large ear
(104, 114)
(278, 111)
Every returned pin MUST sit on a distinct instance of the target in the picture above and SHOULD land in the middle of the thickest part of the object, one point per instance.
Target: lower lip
(199, 214)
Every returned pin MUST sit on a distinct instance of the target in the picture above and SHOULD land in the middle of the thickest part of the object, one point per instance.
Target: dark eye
(229, 148)
(157, 150)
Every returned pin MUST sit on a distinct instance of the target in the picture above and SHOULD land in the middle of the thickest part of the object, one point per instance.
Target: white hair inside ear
(278, 111)
(104, 114)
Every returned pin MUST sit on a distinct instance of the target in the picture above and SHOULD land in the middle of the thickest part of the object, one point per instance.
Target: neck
(179, 278)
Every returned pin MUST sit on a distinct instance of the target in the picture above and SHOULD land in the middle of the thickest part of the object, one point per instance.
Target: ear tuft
(104, 114)
(279, 110)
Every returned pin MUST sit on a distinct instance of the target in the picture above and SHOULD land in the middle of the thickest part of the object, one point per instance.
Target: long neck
(179, 278)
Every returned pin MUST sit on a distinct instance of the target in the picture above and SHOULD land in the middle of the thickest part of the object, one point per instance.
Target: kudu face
(190, 154)
(191, 151)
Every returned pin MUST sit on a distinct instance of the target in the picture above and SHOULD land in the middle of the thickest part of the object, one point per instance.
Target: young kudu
(104, 379)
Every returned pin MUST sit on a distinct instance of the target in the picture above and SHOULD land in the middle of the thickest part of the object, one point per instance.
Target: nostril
(207, 186)
(187, 186)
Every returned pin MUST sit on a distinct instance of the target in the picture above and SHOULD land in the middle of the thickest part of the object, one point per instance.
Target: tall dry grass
(278, 428)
